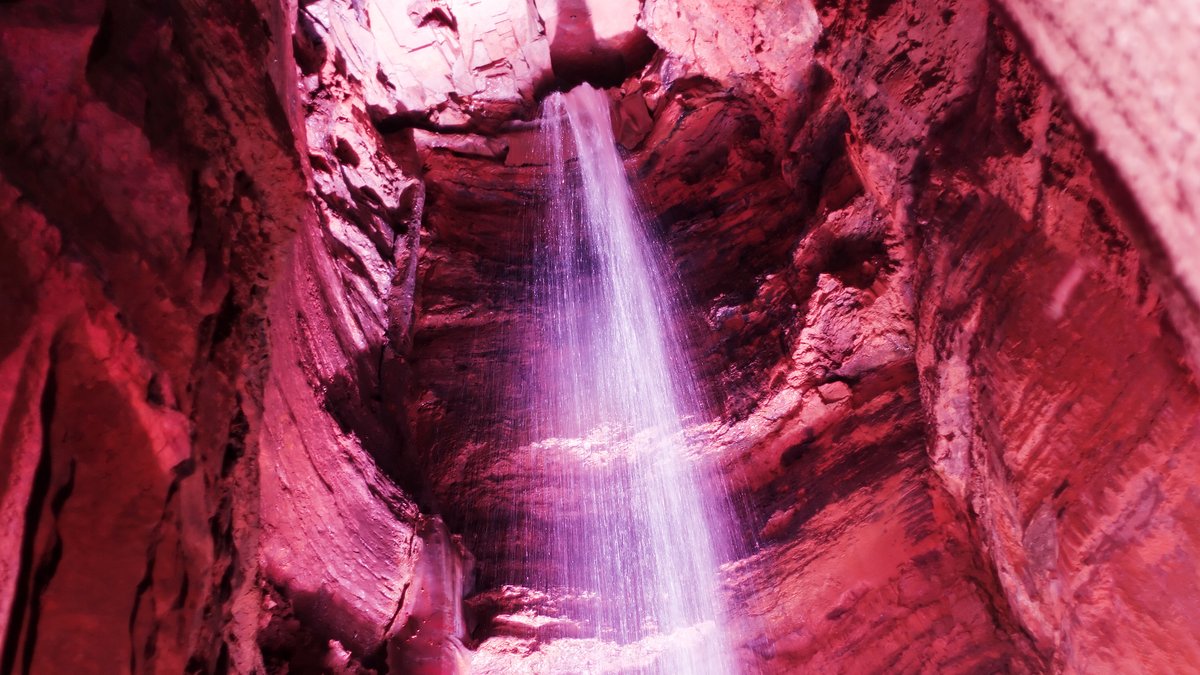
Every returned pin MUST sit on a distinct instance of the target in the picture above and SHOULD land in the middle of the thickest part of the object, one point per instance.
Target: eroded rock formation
(262, 267)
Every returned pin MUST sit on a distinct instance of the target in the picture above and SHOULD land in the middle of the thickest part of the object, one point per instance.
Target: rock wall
(1059, 429)
(139, 235)
(1127, 74)
(262, 266)
(181, 361)
(349, 555)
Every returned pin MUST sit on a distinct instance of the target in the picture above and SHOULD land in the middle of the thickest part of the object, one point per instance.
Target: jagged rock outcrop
(264, 268)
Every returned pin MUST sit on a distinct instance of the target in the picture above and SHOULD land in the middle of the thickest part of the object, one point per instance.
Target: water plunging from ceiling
(646, 534)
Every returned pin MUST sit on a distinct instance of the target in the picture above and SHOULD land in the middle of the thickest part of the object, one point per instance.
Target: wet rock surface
(264, 270)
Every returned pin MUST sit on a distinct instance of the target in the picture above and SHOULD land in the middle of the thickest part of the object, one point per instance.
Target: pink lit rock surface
(944, 277)
(1128, 73)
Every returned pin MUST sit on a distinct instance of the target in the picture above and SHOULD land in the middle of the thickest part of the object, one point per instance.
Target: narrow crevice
(23, 610)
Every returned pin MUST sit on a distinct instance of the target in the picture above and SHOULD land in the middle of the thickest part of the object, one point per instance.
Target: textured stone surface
(368, 580)
(443, 61)
(151, 196)
(456, 64)
(924, 212)
(263, 274)
(1128, 74)
(135, 244)
(1060, 428)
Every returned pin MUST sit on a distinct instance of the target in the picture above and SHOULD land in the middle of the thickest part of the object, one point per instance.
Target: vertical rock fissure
(24, 614)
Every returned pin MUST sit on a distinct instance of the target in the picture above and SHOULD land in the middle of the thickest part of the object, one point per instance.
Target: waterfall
(642, 532)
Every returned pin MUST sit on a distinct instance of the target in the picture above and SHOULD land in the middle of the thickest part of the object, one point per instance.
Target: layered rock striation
(265, 269)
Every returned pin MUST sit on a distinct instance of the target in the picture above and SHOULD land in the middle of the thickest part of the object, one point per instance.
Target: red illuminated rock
(256, 409)
(1104, 62)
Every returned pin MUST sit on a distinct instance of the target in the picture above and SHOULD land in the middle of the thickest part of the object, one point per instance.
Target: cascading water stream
(642, 533)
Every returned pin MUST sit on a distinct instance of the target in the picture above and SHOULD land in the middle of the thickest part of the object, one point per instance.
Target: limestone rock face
(469, 64)
(138, 239)
(179, 371)
(1017, 236)
(1104, 62)
(431, 59)
(264, 269)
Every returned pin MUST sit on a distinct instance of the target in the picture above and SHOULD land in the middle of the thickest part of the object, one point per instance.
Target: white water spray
(645, 534)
